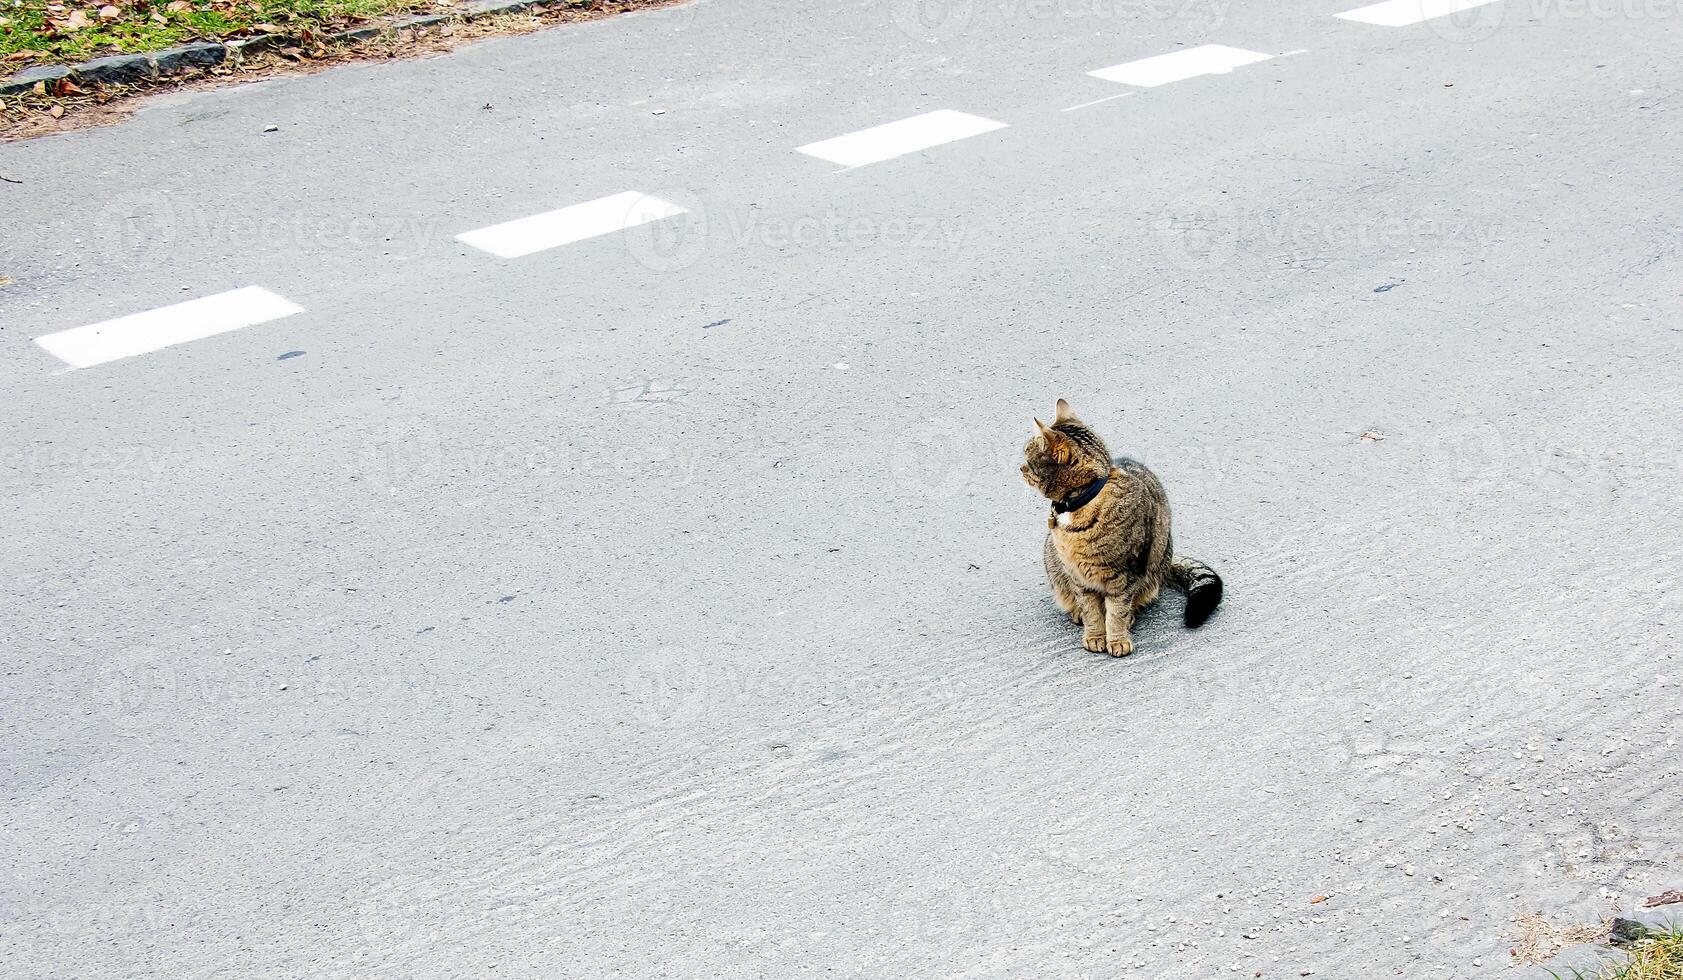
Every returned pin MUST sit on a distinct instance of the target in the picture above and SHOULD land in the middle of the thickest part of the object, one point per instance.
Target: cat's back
(1139, 478)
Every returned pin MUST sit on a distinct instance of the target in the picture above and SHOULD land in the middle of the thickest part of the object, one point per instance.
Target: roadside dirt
(65, 108)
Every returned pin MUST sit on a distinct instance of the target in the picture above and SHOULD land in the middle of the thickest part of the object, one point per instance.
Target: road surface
(648, 588)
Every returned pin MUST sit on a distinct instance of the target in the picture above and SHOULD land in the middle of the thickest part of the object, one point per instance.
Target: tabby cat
(1109, 550)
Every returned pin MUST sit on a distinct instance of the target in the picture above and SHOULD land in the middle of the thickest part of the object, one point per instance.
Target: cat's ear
(1058, 444)
(1065, 413)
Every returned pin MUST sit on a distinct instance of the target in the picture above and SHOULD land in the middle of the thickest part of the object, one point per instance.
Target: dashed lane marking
(1401, 13)
(895, 139)
(1176, 66)
(616, 212)
(141, 333)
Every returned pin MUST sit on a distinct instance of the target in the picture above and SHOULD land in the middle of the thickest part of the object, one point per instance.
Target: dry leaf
(1663, 898)
(158, 18)
(39, 88)
(268, 28)
(65, 86)
(57, 112)
(109, 12)
(23, 55)
(1318, 899)
(179, 7)
(76, 21)
(292, 52)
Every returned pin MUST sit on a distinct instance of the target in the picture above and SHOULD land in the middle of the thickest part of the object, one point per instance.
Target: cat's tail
(1201, 585)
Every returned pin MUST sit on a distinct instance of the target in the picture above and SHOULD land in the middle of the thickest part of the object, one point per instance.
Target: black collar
(1081, 497)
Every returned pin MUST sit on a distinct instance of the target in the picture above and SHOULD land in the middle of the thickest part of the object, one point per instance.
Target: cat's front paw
(1093, 642)
(1119, 648)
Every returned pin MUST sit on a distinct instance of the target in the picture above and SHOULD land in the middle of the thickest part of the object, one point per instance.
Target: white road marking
(605, 215)
(895, 139)
(1401, 13)
(1176, 66)
(142, 333)
(1107, 98)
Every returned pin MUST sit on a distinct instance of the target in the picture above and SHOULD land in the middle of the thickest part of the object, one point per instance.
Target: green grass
(1658, 957)
(50, 35)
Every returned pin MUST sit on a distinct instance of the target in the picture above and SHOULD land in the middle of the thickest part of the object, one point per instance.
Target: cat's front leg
(1092, 621)
(1064, 592)
(1118, 624)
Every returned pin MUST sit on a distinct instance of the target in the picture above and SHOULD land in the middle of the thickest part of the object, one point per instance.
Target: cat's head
(1064, 456)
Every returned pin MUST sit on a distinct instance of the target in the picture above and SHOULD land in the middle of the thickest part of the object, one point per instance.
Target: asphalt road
(668, 603)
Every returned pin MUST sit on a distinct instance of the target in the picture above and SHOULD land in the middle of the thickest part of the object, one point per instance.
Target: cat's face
(1063, 457)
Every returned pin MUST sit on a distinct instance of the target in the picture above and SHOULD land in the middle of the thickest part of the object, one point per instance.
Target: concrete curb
(126, 68)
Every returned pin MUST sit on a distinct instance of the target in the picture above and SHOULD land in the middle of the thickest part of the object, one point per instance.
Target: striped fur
(1112, 556)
